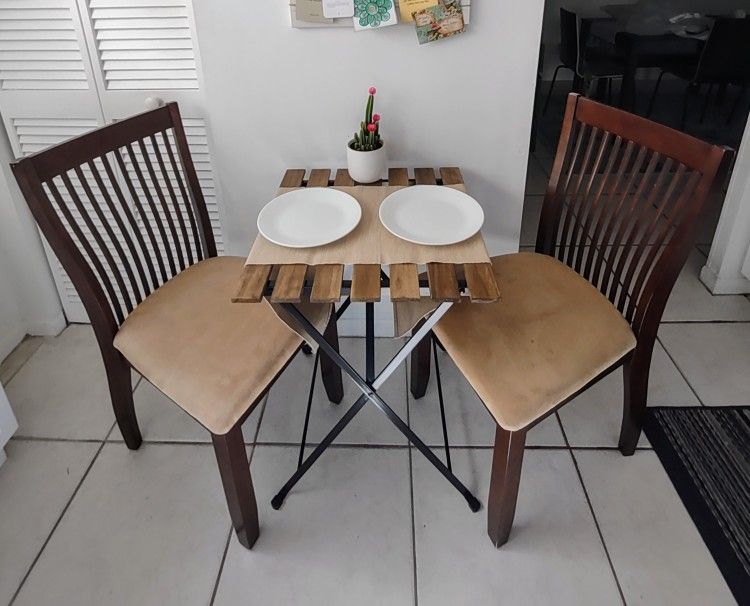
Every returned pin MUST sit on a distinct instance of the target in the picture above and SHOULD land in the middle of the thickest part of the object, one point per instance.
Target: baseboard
(9, 341)
(724, 285)
(47, 328)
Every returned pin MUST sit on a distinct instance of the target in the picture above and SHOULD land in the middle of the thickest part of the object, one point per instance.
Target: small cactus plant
(368, 137)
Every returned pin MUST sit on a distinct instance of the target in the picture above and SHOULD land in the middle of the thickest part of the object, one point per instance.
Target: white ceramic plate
(304, 218)
(431, 215)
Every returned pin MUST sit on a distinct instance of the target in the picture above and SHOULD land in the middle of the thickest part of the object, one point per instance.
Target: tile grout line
(598, 527)
(231, 528)
(679, 370)
(591, 509)
(411, 495)
(57, 522)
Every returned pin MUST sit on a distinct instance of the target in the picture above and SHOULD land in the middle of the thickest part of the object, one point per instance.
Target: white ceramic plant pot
(366, 167)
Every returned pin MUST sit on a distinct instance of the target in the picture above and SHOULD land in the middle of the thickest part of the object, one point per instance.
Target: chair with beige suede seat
(618, 221)
(123, 210)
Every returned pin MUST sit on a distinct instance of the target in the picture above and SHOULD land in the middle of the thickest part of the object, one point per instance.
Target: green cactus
(366, 139)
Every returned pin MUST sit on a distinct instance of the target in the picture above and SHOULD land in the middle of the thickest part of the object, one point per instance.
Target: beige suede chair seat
(550, 335)
(214, 358)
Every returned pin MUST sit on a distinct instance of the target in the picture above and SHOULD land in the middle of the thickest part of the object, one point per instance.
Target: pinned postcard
(370, 14)
(438, 22)
(311, 11)
(338, 9)
(408, 7)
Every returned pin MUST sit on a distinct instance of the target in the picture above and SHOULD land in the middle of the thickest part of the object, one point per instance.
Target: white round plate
(304, 218)
(431, 215)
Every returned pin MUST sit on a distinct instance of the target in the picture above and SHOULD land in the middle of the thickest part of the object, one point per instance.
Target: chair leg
(736, 104)
(420, 366)
(635, 376)
(706, 102)
(551, 88)
(238, 484)
(329, 372)
(507, 460)
(690, 89)
(311, 393)
(652, 102)
(121, 392)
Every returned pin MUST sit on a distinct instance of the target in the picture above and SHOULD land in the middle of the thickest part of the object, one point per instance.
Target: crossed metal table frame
(369, 386)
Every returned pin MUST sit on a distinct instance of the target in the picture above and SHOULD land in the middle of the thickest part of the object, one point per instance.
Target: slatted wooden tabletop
(287, 282)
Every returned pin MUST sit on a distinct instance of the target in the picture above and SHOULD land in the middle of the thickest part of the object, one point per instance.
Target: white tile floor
(85, 521)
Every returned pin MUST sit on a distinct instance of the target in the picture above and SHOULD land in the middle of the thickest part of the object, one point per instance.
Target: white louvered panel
(37, 134)
(144, 44)
(39, 46)
(195, 131)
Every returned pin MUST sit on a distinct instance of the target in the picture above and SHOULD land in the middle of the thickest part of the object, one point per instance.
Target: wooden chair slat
(289, 283)
(252, 284)
(319, 177)
(443, 282)
(293, 178)
(451, 175)
(424, 176)
(366, 283)
(343, 179)
(327, 284)
(481, 281)
(398, 176)
(404, 282)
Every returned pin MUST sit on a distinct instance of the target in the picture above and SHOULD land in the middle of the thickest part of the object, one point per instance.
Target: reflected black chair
(724, 61)
(587, 62)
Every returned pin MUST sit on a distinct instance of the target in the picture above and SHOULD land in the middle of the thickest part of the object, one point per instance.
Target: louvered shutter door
(47, 91)
(68, 66)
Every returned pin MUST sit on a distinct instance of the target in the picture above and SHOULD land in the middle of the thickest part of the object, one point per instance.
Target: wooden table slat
(398, 176)
(327, 284)
(366, 283)
(289, 283)
(443, 282)
(424, 176)
(319, 177)
(404, 282)
(252, 284)
(451, 175)
(481, 282)
(293, 178)
(343, 179)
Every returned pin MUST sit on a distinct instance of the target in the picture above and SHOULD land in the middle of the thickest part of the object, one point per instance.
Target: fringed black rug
(706, 453)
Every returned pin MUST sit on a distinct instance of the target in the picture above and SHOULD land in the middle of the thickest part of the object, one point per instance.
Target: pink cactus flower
(376, 118)
(372, 127)
(373, 90)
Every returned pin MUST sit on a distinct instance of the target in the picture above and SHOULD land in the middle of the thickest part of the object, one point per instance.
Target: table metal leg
(369, 392)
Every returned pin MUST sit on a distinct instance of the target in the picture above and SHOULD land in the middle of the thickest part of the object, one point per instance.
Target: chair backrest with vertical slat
(623, 204)
(121, 208)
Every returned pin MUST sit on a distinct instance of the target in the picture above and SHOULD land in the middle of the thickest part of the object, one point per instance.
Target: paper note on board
(311, 11)
(371, 14)
(337, 9)
(408, 7)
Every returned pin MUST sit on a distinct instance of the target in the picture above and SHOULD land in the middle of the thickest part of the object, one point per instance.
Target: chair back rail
(121, 208)
(623, 204)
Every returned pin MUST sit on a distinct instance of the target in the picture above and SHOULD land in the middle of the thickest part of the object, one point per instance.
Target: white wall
(29, 303)
(280, 97)
(724, 273)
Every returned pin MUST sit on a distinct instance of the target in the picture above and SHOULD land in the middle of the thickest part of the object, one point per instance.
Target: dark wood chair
(587, 61)
(619, 218)
(123, 210)
(722, 62)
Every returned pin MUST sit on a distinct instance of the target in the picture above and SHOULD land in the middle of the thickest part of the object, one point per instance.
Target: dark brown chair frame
(162, 184)
(622, 209)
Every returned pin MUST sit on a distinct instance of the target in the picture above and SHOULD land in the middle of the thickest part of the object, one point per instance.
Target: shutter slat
(145, 45)
(39, 47)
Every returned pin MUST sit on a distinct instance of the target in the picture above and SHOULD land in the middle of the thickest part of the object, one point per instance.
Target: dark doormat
(706, 453)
